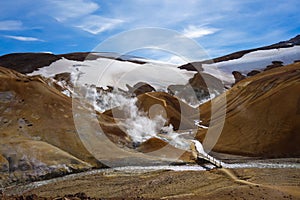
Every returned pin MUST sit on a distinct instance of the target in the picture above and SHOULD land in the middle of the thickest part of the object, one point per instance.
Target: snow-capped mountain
(245, 61)
(100, 69)
(258, 60)
(46, 134)
(104, 72)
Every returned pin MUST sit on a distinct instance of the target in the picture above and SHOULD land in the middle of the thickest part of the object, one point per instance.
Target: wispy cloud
(10, 25)
(81, 14)
(227, 26)
(197, 32)
(70, 9)
(158, 39)
(23, 38)
(96, 24)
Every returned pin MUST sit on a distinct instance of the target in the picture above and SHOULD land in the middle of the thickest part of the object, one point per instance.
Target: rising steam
(136, 122)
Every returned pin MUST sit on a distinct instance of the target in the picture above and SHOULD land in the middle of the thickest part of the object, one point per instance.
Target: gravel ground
(244, 183)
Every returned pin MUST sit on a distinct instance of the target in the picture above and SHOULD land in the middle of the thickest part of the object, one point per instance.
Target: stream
(269, 163)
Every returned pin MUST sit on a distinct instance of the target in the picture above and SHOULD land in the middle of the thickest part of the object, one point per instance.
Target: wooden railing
(211, 159)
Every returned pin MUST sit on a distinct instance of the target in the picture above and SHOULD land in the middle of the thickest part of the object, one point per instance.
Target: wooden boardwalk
(199, 153)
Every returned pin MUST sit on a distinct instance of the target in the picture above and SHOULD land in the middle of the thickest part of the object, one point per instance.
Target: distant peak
(295, 40)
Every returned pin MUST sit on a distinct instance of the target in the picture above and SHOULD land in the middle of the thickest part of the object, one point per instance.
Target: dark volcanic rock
(253, 73)
(198, 88)
(80, 56)
(140, 88)
(66, 77)
(133, 60)
(203, 80)
(295, 40)
(27, 62)
(194, 66)
(274, 64)
(63, 82)
(238, 76)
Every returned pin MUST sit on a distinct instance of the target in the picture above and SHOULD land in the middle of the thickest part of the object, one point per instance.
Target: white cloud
(70, 9)
(81, 14)
(8, 25)
(172, 14)
(22, 38)
(175, 60)
(147, 14)
(96, 24)
(161, 41)
(197, 32)
(49, 52)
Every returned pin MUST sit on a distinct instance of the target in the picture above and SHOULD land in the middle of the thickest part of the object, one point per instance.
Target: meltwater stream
(19, 190)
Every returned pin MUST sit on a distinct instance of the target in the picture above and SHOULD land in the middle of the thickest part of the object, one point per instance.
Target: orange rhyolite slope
(262, 115)
(37, 131)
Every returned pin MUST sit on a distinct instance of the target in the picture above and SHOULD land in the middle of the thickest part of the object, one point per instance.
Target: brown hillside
(262, 115)
(176, 111)
(37, 129)
(40, 135)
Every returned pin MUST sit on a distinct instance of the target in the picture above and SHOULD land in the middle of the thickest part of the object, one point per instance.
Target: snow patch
(104, 72)
(256, 60)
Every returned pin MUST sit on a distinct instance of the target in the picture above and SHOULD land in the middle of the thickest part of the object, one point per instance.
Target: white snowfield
(257, 60)
(109, 72)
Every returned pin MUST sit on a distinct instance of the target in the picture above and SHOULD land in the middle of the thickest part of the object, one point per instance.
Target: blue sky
(220, 27)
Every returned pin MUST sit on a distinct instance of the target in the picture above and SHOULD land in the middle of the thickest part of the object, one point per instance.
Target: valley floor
(246, 183)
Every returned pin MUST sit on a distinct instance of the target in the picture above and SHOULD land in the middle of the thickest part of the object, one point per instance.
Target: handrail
(199, 152)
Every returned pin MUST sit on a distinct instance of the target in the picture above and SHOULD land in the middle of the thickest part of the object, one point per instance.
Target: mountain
(286, 52)
(44, 133)
(262, 115)
(29, 62)
(58, 117)
(100, 69)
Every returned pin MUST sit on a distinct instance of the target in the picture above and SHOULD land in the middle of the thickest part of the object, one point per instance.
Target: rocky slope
(262, 115)
(40, 139)
(199, 88)
(38, 136)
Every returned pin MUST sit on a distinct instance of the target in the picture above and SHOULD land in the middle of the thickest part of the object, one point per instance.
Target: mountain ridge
(197, 65)
(28, 62)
